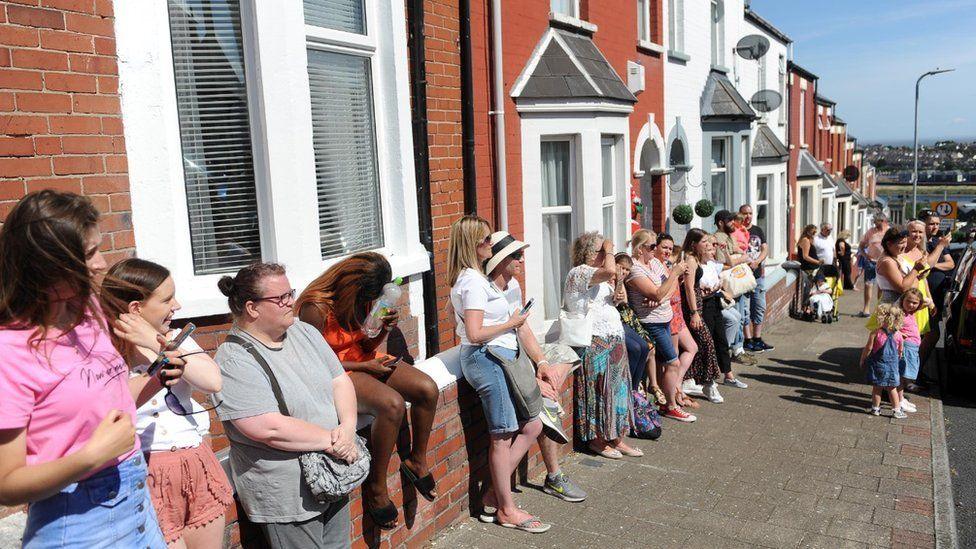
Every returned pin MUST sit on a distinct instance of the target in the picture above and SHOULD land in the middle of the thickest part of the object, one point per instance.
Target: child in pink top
(740, 234)
(911, 301)
(881, 356)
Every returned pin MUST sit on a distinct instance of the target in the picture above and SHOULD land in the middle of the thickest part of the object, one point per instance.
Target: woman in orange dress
(337, 303)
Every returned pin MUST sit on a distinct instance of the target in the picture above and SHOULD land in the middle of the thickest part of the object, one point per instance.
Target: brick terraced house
(213, 133)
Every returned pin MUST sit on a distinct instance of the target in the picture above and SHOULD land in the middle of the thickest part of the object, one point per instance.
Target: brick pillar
(60, 117)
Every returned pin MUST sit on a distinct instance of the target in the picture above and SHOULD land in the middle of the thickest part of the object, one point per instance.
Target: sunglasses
(279, 300)
(173, 402)
(517, 256)
(486, 241)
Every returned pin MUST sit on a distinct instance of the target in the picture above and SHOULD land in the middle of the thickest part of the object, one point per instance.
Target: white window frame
(615, 186)
(645, 36)
(574, 7)
(275, 38)
(574, 195)
(712, 170)
(743, 183)
(676, 25)
(803, 118)
(768, 202)
(716, 23)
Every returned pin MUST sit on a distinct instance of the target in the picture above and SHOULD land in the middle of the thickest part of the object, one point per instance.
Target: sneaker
(551, 425)
(897, 413)
(908, 406)
(753, 347)
(734, 382)
(760, 344)
(689, 387)
(679, 414)
(563, 488)
(711, 393)
(875, 411)
(744, 359)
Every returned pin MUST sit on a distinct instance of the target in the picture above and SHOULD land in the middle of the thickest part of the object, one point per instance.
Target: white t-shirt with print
(473, 290)
(158, 428)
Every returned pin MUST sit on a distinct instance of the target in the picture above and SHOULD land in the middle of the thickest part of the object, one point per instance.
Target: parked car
(960, 305)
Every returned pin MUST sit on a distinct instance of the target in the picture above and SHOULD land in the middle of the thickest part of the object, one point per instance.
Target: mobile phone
(528, 306)
(392, 360)
(171, 346)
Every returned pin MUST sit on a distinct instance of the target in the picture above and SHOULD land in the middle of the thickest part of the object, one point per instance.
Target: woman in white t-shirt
(188, 487)
(488, 330)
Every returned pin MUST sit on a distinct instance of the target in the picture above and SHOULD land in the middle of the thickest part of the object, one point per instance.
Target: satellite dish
(766, 100)
(851, 173)
(752, 46)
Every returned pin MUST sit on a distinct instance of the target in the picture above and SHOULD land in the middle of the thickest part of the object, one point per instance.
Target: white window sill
(675, 55)
(649, 46)
(574, 22)
(199, 295)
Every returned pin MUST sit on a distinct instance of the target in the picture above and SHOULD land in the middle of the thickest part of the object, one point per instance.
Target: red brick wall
(60, 118)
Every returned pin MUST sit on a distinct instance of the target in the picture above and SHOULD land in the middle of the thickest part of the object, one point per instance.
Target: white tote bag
(738, 280)
(576, 328)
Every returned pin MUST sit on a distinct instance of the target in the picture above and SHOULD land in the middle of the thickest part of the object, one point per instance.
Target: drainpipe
(467, 110)
(418, 85)
(498, 93)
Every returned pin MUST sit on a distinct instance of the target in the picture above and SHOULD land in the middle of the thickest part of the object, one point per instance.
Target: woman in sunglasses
(337, 303)
(189, 489)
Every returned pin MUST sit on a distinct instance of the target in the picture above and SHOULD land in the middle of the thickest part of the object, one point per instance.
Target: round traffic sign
(944, 209)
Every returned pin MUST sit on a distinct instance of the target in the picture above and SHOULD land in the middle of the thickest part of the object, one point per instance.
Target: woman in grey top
(264, 444)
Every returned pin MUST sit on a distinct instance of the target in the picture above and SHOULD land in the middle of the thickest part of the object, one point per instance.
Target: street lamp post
(915, 171)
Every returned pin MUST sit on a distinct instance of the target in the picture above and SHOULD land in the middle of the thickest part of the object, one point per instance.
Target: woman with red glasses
(189, 489)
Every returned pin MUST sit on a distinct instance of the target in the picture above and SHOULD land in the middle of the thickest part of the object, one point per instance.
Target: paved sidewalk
(792, 461)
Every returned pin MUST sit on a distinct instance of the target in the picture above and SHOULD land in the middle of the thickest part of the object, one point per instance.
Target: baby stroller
(825, 281)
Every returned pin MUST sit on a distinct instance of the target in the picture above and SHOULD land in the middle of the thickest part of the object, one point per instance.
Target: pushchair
(827, 281)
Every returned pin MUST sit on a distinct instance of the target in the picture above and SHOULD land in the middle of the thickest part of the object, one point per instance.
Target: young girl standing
(911, 301)
(881, 356)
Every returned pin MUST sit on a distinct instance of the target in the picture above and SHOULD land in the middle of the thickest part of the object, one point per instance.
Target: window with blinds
(341, 15)
(343, 136)
(218, 165)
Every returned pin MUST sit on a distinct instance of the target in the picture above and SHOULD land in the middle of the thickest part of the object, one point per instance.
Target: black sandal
(384, 517)
(425, 486)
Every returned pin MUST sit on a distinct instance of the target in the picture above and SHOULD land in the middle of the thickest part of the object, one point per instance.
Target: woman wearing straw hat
(506, 263)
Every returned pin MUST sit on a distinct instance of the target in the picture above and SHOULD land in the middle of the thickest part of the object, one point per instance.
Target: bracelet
(543, 361)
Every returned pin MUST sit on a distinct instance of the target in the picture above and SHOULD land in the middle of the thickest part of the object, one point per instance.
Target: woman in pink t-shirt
(67, 439)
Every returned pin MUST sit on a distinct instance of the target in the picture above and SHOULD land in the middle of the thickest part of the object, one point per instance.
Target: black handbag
(327, 477)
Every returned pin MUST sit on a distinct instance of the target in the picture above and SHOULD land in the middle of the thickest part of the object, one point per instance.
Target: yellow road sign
(946, 209)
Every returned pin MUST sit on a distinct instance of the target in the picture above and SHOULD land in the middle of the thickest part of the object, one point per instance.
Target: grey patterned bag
(328, 477)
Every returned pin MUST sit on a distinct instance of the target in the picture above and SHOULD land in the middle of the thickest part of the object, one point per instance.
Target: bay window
(558, 220)
(720, 172)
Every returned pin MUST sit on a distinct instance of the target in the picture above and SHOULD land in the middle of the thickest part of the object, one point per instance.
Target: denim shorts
(908, 365)
(483, 372)
(109, 509)
(661, 334)
(752, 306)
(869, 269)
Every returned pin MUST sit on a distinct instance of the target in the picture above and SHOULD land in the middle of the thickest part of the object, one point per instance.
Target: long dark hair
(129, 280)
(42, 253)
(893, 234)
(347, 288)
(692, 239)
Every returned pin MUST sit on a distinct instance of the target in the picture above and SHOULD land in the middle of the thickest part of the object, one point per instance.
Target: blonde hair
(641, 237)
(462, 251)
(890, 317)
(914, 292)
(585, 247)
(844, 235)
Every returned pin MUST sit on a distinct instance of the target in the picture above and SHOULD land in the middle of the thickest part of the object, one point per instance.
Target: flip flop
(525, 526)
(630, 452)
(488, 514)
(609, 453)
(384, 517)
(425, 486)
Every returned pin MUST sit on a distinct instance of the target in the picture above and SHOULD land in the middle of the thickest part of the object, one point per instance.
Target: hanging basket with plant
(704, 208)
(682, 214)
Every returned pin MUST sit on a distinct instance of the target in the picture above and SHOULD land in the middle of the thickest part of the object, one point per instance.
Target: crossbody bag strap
(275, 388)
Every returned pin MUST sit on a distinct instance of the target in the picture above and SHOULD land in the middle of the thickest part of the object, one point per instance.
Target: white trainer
(908, 406)
(712, 394)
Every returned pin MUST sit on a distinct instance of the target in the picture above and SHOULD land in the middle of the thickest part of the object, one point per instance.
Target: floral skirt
(603, 405)
(704, 367)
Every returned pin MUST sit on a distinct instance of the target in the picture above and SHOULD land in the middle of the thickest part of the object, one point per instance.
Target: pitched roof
(801, 71)
(721, 100)
(767, 26)
(839, 120)
(570, 66)
(843, 189)
(768, 145)
(829, 183)
(807, 166)
(824, 99)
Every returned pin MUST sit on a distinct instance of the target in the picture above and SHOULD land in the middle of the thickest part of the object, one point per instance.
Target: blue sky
(868, 54)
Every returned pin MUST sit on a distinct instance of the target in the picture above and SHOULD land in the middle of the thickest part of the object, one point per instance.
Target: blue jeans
(483, 372)
(733, 328)
(661, 334)
(109, 509)
(637, 351)
(752, 306)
